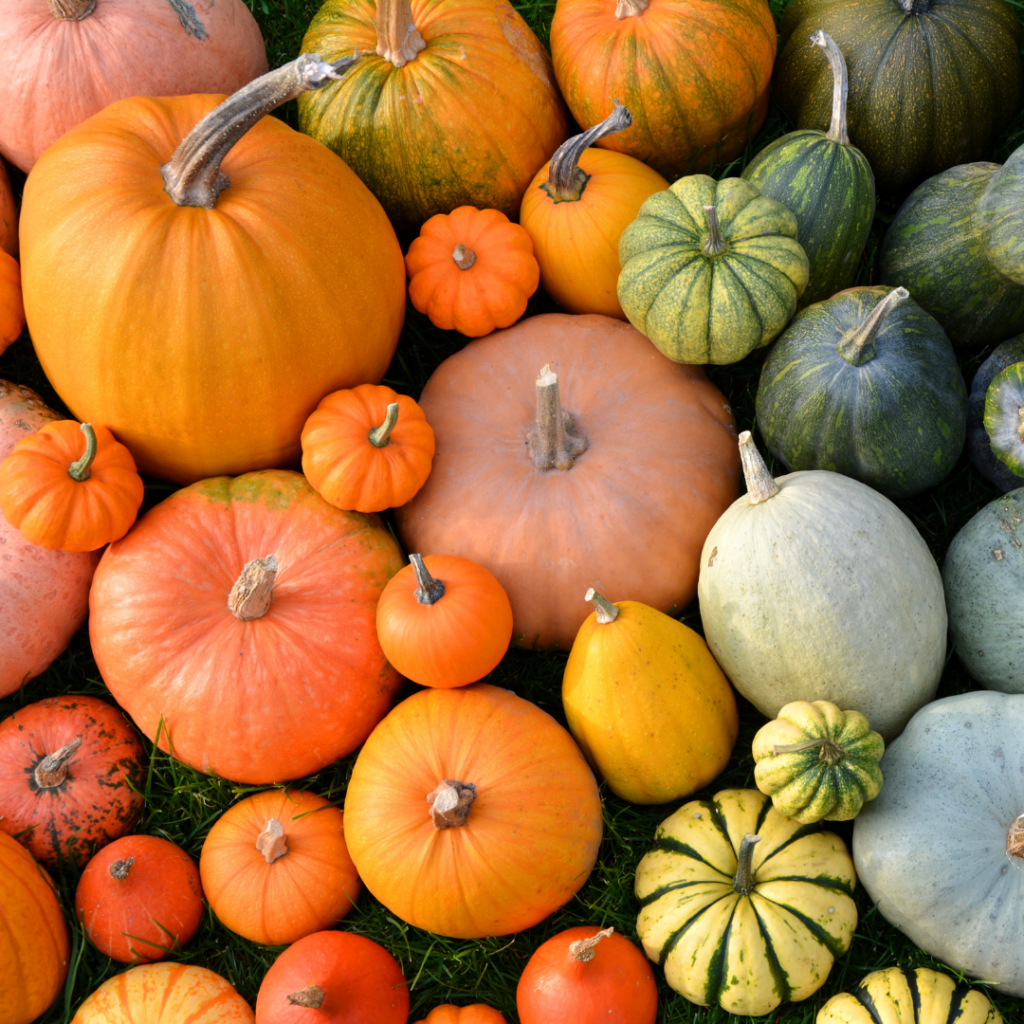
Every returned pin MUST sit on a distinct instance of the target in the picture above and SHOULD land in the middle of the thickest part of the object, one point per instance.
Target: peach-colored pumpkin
(66, 59)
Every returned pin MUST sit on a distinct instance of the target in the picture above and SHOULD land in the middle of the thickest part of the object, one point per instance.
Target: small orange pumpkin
(478, 1013)
(65, 492)
(12, 309)
(446, 629)
(472, 271)
(367, 448)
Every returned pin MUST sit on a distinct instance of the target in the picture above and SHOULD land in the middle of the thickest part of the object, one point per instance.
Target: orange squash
(254, 283)
(8, 215)
(477, 1013)
(12, 308)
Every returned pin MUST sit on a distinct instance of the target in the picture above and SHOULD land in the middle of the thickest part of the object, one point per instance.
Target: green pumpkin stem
(251, 595)
(630, 8)
(829, 751)
(79, 470)
(311, 998)
(52, 770)
(192, 176)
(582, 950)
(120, 869)
(1015, 839)
(606, 611)
(858, 346)
(398, 39)
(714, 244)
(553, 441)
(71, 10)
(429, 590)
(566, 179)
(840, 89)
(272, 842)
(464, 256)
(761, 484)
(743, 882)
(380, 436)
(450, 803)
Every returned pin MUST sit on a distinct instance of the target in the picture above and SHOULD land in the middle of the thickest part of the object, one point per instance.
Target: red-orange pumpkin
(8, 215)
(477, 1013)
(12, 309)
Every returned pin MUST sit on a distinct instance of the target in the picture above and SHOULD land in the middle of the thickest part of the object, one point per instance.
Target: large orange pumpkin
(238, 293)
(236, 620)
(694, 73)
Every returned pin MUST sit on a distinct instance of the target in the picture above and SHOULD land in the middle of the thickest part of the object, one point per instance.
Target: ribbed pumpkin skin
(896, 422)
(413, 134)
(1004, 401)
(934, 249)
(978, 446)
(694, 75)
(928, 90)
(998, 218)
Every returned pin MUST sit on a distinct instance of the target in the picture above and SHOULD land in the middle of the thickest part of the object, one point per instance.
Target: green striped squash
(828, 185)
(999, 218)
(711, 269)
(744, 907)
(979, 449)
(1004, 417)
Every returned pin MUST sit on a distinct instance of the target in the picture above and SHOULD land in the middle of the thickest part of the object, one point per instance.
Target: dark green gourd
(979, 447)
(828, 185)
(1000, 218)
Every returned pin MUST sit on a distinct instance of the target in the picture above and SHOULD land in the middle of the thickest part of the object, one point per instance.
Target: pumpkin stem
(714, 244)
(251, 595)
(915, 6)
(582, 950)
(380, 436)
(840, 88)
(566, 179)
(272, 842)
(829, 751)
(630, 8)
(398, 39)
(450, 803)
(53, 769)
(464, 256)
(857, 346)
(80, 470)
(606, 611)
(120, 868)
(429, 590)
(743, 883)
(1015, 839)
(192, 176)
(553, 442)
(312, 998)
(761, 484)
(71, 10)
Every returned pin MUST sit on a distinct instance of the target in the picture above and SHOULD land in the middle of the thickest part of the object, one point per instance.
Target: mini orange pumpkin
(367, 448)
(477, 1013)
(472, 270)
(12, 309)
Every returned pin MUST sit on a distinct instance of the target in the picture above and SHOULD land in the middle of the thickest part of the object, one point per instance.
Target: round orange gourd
(471, 812)
(477, 1013)
(70, 486)
(258, 277)
(471, 271)
(139, 898)
(334, 978)
(275, 866)
(585, 976)
(367, 449)
(576, 208)
(12, 309)
(444, 621)
(695, 74)
(33, 939)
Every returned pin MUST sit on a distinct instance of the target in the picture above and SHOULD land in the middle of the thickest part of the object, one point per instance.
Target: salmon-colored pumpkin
(471, 812)
(477, 1013)
(66, 59)
(234, 312)
(236, 620)
(12, 308)
(8, 214)
(275, 866)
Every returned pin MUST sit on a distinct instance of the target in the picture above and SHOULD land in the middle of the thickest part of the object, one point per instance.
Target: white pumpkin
(815, 587)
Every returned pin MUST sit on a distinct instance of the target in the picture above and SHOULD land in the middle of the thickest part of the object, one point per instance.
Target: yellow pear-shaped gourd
(647, 702)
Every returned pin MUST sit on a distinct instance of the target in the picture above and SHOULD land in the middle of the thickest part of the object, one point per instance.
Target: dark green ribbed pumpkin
(710, 269)
(865, 384)
(1001, 220)
(931, 81)
(978, 447)
(828, 185)
(934, 249)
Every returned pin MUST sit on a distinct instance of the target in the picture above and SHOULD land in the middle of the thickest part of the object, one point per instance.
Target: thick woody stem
(53, 769)
(1015, 839)
(272, 842)
(450, 803)
(743, 883)
(464, 256)
(311, 998)
(553, 442)
(582, 950)
(398, 39)
(428, 590)
(714, 244)
(840, 87)
(192, 176)
(630, 8)
(251, 595)
(761, 484)
(71, 10)
(566, 179)
(380, 436)
(120, 869)
(829, 751)
(858, 346)
(80, 470)
(606, 611)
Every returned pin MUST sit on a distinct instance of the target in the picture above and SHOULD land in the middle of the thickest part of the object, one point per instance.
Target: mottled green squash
(1000, 220)
(828, 185)
(711, 269)
(1004, 417)
(978, 447)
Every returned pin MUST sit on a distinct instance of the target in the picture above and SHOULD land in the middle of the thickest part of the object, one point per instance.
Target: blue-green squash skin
(934, 249)
(1000, 219)
(978, 447)
(896, 422)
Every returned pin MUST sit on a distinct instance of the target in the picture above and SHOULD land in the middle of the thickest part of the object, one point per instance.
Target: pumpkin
(472, 64)
(1004, 417)
(44, 595)
(767, 908)
(941, 849)
(476, 1013)
(998, 216)
(471, 812)
(12, 309)
(367, 449)
(8, 215)
(817, 762)
(67, 59)
(167, 993)
(235, 623)
(646, 702)
(827, 184)
(979, 448)
(919, 996)
(345, 978)
(471, 271)
(866, 384)
(445, 629)
(934, 249)
(34, 939)
(71, 777)
(302, 276)
(695, 75)
(575, 210)
(582, 977)
(910, 111)
(70, 486)
(782, 590)
(610, 490)
(139, 898)
(275, 866)
(711, 269)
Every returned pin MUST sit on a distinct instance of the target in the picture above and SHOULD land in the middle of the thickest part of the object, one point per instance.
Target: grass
(181, 803)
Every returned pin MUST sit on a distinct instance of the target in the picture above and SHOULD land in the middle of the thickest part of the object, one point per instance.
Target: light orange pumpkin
(8, 215)
(12, 308)
(476, 1013)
